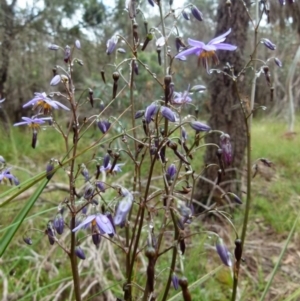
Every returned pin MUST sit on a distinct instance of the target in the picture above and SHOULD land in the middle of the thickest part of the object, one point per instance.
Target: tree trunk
(226, 114)
(7, 39)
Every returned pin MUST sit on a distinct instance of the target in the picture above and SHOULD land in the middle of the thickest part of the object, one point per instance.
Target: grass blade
(7, 237)
(279, 259)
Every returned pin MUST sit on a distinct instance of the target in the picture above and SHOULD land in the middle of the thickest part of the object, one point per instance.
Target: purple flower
(111, 45)
(100, 220)
(268, 44)
(5, 175)
(168, 113)
(103, 126)
(223, 253)
(150, 112)
(43, 103)
(199, 126)
(33, 122)
(196, 13)
(282, 2)
(107, 165)
(123, 207)
(181, 98)
(117, 168)
(206, 51)
(226, 148)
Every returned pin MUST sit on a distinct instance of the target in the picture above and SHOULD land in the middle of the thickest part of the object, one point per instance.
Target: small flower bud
(151, 2)
(27, 240)
(182, 246)
(199, 126)
(55, 80)
(135, 32)
(223, 253)
(179, 43)
(59, 224)
(136, 67)
(238, 249)
(77, 44)
(96, 238)
(67, 54)
(150, 112)
(34, 138)
(139, 114)
(171, 172)
(149, 37)
(196, 13)
(116, 76)
(175, 281)
(121, 50)
(226, 148)
(106, 160)
(85, 173)
(49, 170)
(278, 62)
(168, 114)
(79, 253)
(50, 233)
(158, 50)
(91, 97)
(185, 15)
(53, 47)
(103, 126)
(103, 76)
(111, 45)
(100, 185)
(198, 88)
(268, 44)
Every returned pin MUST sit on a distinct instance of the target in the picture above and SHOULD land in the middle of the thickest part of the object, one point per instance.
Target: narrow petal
(27, 119)
(195, 43)
(224, 46)
(61, 105)
(209, 48)
(220, 38)
(20, 123)
(104, 224)
(30, 102)
(85, 222)
(189, 51)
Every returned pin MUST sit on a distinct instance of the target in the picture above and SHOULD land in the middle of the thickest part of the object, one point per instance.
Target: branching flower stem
(248, 124)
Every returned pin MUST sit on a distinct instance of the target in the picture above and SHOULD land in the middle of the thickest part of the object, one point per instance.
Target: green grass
(275, 205)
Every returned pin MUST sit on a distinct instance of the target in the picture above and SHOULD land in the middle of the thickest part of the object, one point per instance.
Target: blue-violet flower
(206, 51)
(100, 220)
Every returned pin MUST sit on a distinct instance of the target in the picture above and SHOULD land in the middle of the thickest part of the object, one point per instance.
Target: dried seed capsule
(238, 249)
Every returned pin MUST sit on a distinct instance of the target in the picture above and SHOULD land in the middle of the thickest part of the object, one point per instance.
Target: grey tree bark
(226, 114)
